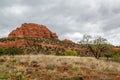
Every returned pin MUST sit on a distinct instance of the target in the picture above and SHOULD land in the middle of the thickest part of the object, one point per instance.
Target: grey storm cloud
(68, 18)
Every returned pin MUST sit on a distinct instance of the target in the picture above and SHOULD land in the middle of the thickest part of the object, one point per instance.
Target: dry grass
(49, 67)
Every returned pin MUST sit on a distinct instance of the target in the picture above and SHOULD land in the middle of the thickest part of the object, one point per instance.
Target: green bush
(116, 56)
(3, 77)
(70, 53)
(1, 51)
(13, 51)
(108, 55)
(77, 78)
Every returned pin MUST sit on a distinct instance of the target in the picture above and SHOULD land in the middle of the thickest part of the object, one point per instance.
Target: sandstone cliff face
(32, 30)
(18, 44)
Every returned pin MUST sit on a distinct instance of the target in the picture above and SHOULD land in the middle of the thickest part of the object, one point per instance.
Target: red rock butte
(32, 30)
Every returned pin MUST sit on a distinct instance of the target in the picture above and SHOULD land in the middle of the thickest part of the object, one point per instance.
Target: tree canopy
(97, 46)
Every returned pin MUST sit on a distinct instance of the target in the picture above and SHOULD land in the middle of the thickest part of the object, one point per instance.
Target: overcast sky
(68, 18)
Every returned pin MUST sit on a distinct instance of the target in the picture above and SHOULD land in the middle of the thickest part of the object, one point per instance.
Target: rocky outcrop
(32, 30)
(68, 41)
(116, 49)
(18, 44)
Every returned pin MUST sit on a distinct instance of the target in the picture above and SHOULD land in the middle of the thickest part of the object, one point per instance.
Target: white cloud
(15, 10)
(68, 18)
(76, 36)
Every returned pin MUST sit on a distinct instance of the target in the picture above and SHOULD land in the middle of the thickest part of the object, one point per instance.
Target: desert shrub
(116, 56)
(70, 53)
(77, 78)
(73, 78)
(1, 51)
(3, 76)
(13, 51)
(108, 55)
